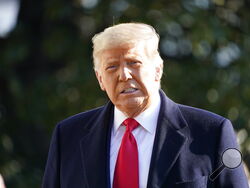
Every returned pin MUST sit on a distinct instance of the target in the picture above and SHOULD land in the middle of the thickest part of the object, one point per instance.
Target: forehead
(115, 54)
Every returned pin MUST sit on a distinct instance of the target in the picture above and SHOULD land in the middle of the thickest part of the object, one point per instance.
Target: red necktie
(127, 169)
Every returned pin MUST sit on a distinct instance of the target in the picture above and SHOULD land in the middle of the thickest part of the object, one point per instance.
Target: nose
(124, 73)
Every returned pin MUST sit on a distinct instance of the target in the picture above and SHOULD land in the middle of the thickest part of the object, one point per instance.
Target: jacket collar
(95, 147)
(169, 140)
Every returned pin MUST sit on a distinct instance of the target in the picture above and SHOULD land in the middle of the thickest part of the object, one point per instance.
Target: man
(140, 138)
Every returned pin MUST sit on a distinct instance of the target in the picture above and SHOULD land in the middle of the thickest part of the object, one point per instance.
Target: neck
(135, 111)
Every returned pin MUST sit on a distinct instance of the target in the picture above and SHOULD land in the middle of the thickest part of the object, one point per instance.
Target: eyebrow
(129, 57)
(133, 57)
(111, 61)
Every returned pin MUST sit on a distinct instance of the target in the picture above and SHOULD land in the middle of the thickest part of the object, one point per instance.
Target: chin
(133, 104)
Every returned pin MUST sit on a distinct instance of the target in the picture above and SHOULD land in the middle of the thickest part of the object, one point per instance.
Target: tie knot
(131, 124)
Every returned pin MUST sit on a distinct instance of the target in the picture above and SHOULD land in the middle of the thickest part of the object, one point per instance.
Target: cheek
(109, 86)
(147, 77)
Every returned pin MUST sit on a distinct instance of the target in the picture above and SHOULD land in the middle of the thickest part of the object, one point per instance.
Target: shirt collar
(147, 119)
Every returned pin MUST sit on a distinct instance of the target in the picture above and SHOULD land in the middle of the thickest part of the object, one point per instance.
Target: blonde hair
(123, 35)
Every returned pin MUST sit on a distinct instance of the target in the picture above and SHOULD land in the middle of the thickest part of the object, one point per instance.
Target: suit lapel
(95, 146)
(169, 140)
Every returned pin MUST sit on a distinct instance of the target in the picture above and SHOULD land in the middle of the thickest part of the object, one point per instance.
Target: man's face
(129, 77)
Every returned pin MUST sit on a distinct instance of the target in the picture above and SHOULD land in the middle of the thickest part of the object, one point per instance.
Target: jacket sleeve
(51, 177)
(229, 178)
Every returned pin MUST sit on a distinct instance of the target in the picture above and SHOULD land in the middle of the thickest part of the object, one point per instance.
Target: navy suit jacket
(187, 149)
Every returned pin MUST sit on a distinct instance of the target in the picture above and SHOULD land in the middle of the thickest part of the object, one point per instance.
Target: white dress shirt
(144, 135)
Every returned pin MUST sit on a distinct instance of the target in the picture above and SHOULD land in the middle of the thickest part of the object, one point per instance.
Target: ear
(99, 78)
(158, 72)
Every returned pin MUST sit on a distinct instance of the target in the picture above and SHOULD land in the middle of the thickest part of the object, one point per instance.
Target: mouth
(129, 90)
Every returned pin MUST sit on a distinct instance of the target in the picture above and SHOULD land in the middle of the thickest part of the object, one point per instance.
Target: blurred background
(46, 70)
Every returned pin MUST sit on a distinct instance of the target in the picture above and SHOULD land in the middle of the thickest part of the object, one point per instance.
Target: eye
(111, 67)
(133, 63)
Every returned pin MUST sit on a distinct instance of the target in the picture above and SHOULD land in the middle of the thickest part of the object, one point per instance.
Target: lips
(129, 90)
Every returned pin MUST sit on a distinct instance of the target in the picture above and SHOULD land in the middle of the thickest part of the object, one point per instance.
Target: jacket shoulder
(81, 118)
(200, 120)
